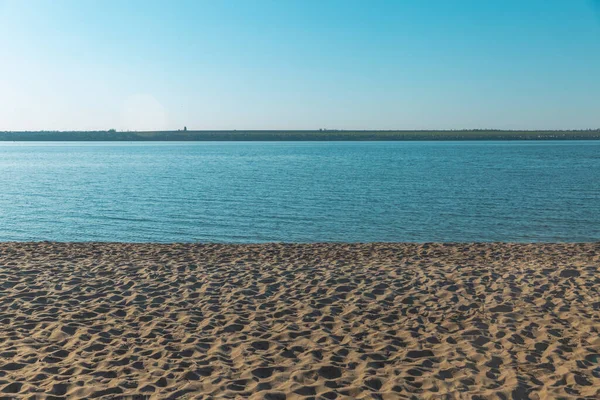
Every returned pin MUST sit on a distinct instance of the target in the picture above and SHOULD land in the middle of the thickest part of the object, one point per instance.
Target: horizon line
(307, 130)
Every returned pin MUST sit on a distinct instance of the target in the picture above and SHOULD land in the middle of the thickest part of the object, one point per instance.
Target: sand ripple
(325, 321)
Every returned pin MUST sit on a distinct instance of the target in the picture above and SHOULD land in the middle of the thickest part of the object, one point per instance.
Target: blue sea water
(300, 191)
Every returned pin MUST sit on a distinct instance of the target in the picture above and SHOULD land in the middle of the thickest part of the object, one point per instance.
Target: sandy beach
(322, 321)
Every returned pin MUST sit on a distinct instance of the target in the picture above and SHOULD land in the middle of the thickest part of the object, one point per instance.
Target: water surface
(300, 191)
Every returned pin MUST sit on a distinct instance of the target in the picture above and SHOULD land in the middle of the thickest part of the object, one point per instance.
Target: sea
(251, 192)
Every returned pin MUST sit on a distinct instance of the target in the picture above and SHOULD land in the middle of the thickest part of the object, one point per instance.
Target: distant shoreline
(322, 135)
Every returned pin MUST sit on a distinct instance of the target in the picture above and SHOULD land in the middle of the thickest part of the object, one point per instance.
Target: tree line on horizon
(299, 135)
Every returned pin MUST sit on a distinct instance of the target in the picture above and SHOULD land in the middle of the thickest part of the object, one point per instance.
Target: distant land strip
(281, 135)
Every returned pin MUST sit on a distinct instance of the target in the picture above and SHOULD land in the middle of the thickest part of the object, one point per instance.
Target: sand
(383, 321)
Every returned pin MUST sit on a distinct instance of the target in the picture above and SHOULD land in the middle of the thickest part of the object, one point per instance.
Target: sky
(307, 64)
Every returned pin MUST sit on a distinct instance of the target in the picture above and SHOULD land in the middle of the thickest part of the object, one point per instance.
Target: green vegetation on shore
(320, 135)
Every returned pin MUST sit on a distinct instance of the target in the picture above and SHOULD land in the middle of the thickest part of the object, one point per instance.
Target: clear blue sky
(283, 64)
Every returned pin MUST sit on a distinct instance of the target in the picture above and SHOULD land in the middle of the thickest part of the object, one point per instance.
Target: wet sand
(276, 321)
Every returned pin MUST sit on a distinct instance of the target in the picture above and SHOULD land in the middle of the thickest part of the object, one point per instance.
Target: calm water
(300, 192)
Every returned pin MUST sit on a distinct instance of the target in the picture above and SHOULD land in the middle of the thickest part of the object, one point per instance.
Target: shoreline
(303, 135)
(274, 243)
(299, 321)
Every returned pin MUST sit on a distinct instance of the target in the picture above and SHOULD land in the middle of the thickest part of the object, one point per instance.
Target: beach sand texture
(284, 321)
